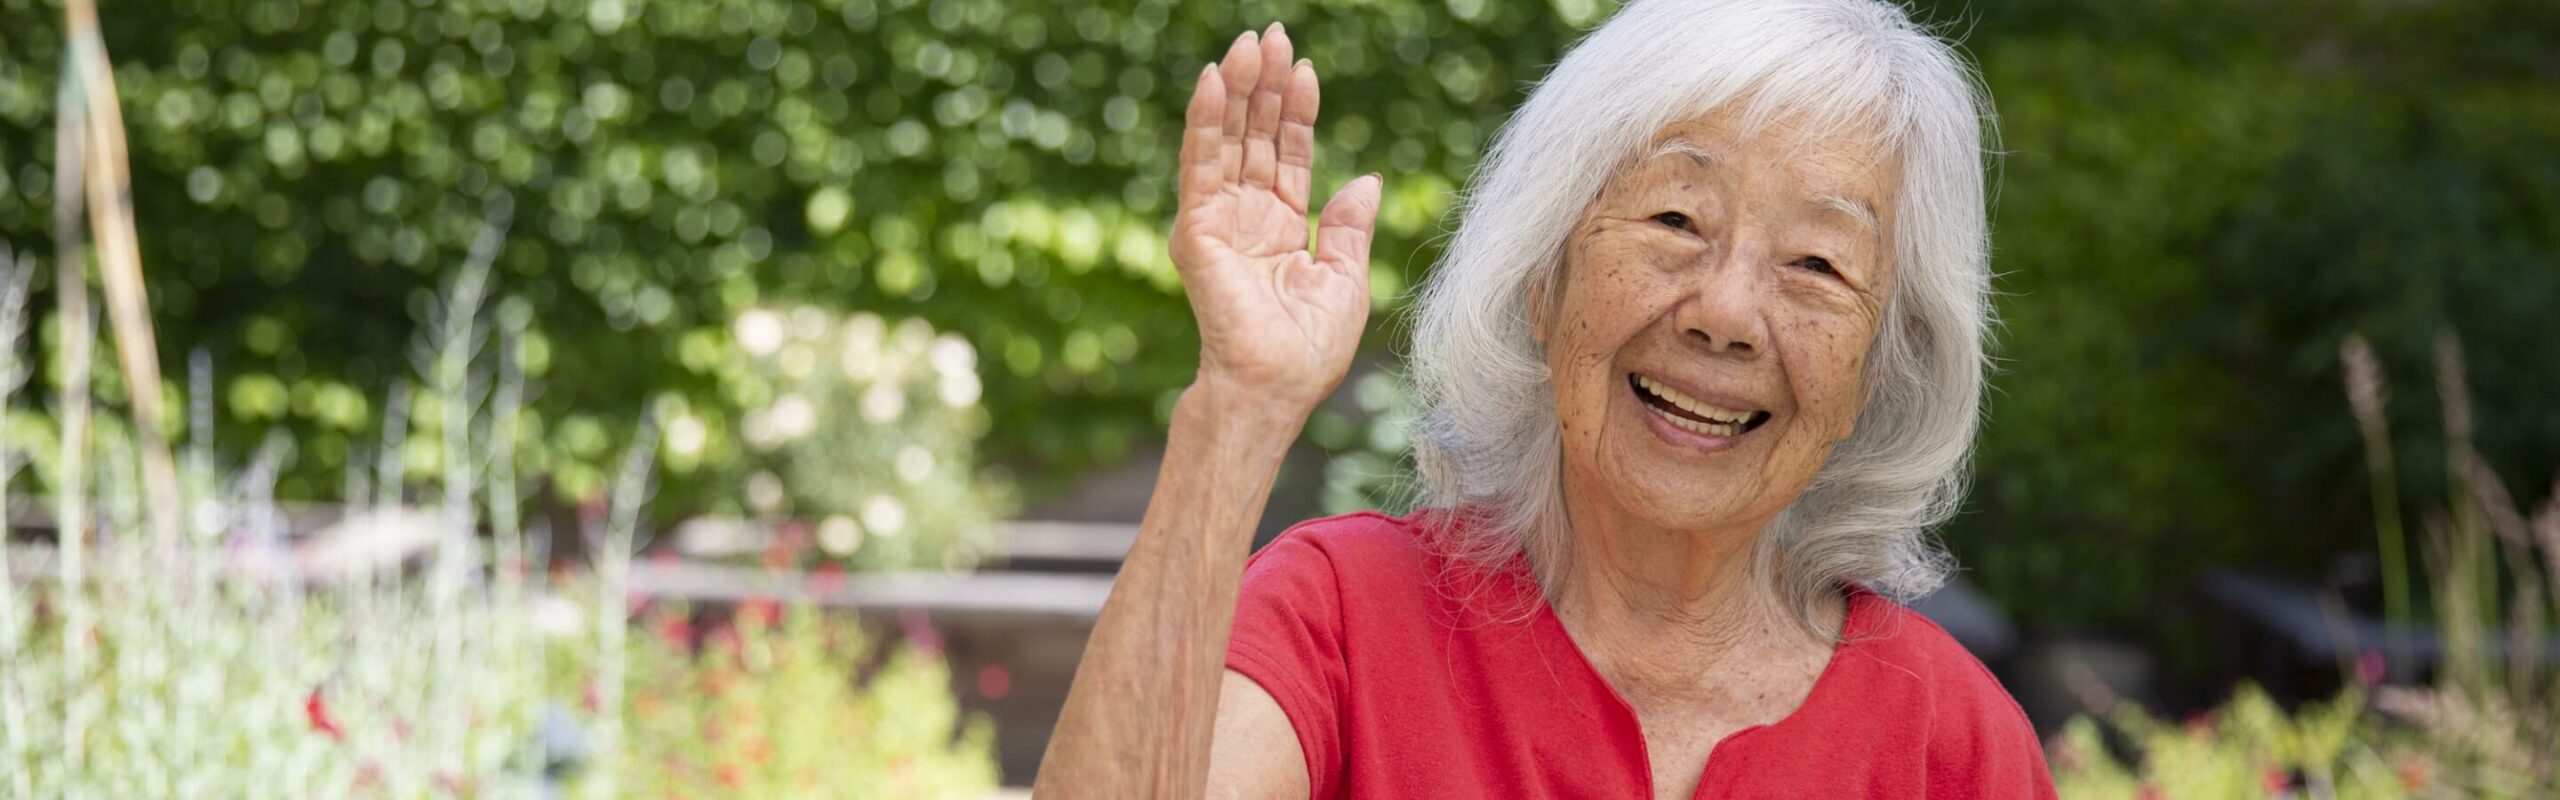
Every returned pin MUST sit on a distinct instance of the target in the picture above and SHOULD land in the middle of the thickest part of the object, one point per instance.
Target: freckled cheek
(1825, 361)
(1607, 303)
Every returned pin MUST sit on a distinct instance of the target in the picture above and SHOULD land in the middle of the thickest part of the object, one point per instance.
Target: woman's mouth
(1691, 414)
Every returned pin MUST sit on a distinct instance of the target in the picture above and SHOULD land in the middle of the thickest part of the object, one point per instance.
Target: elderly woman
(1702, 367)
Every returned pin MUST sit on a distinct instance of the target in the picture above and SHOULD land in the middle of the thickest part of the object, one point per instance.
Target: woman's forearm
(1137, 720)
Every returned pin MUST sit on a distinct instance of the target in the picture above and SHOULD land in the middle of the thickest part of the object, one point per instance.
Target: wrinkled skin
(1765, 290)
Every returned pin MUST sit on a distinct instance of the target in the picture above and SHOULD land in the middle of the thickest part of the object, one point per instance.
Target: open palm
(1275, 318)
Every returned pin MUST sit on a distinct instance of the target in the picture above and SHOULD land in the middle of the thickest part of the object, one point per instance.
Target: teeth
(1727, 416)
(1706, 428)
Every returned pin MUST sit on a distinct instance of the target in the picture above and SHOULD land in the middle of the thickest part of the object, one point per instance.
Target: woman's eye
(1675, 219)
(1818, 264)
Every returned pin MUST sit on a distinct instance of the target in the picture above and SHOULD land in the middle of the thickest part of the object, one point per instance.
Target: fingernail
(1306, 63)
(1272, 31)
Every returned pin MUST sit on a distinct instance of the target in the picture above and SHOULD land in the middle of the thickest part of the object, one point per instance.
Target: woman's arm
(1278, 325)
(1256, 755)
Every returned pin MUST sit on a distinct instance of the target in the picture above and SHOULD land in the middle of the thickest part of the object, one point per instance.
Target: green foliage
(867, 428)
(2486, 728)
(230, 663)
(771, 708)
(2248, 748)
(1372, 451)
(2197, 202)
(202, 684)
(305, 169)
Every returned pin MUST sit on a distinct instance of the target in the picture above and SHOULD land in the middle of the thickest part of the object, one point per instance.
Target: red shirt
(1404, 681)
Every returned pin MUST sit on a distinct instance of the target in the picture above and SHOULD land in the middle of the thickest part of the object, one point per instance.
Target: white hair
(1488, 440)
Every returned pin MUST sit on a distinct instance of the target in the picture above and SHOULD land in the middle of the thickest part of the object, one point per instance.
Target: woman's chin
(1682, 494)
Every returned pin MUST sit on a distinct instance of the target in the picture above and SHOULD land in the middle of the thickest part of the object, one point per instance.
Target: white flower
(793, 417)
(839, 535)
(764, 493)
(952, 355)
(863, 335)
(557, 616)
(798, 360)
(912, 337)
(915, 463)
(883, 403)
(861, 362)
(759, 331)
(960, 390)
(686, 436)
(808, 322)
(884, 515)
(864, 331)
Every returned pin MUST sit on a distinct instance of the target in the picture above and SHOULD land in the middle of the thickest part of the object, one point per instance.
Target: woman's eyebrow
(1684, 147)
(1852, 208)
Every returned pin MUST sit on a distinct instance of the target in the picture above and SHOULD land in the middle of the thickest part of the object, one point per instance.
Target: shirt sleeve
(1288, 639)
(1983, 746)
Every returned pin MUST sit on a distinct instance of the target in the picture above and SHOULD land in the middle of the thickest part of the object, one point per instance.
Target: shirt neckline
(1856, 621)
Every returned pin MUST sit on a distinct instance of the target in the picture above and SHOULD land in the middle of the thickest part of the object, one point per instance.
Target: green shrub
(868, 431)
(2196, 201)
(773, 708)
(234, 662)
(306, 170)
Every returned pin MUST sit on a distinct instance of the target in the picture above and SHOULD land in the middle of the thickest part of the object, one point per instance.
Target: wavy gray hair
(1488, 437)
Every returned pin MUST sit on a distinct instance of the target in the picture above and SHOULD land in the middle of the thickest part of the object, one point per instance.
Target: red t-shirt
(1405, 680)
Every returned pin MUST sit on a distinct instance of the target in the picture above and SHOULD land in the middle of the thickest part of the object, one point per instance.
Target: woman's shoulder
(1971, 718)
(1912, 644)
(1360, 549)
(1386, 565)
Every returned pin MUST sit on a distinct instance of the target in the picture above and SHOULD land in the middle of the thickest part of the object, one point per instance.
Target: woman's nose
(1723, 312)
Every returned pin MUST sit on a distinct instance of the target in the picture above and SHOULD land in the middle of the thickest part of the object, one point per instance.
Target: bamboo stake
(110, 202)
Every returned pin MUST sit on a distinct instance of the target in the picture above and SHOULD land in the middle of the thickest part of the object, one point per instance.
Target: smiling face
(1710, 329)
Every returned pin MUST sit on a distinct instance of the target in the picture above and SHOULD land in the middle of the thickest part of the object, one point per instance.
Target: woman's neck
(1671, 614)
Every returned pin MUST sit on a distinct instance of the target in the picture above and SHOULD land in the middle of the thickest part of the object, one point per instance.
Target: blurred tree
(2198, 201)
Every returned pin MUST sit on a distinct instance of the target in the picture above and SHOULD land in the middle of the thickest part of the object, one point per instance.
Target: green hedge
(306, 170)
(2196, 200)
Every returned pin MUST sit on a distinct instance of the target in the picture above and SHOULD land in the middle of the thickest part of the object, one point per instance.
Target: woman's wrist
(1238, 413)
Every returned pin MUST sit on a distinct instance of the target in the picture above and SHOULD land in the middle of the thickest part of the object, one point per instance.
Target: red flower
(994, 682)
(2416, 774)
(824, 579)
(2275, 782)
(2370, 667)
(783, 553)
(675, 629)
(316, 709)
(760, 611)
(2200, 725)
(920, 632)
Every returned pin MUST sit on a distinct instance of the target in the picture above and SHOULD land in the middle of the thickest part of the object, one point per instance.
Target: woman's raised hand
(1277, 321)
